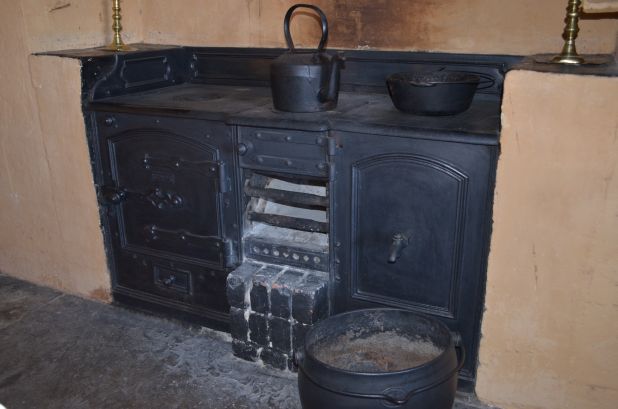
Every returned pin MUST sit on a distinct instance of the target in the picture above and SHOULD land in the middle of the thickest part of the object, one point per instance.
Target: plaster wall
(600, 6)
(468, 26)
(550, 329)
(48, 212)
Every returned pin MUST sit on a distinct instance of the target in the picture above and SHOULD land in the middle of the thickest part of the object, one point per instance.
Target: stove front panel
(171, 211)
(410, 229)
(408, 233)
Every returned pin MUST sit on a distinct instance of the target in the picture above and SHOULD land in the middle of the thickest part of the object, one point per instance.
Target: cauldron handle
(461, 358)
(298, 358)
(288, 17)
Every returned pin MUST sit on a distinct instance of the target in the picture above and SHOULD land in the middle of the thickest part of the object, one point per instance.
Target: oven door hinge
(225, 183)
(332, 146)
(230, 256)
(111, 195)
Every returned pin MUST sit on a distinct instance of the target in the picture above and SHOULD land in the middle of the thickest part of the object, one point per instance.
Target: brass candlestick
(117, 44)
(569, 55)
(569, 51)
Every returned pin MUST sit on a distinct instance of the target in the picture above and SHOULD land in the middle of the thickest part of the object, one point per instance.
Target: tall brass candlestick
(569, 52)
(117, 44)
(569, 55)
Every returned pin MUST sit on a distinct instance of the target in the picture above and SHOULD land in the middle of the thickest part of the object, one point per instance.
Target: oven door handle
(226, 246)
(156, 196)
(399, 242)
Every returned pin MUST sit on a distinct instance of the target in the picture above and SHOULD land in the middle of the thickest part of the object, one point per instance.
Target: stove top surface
(355, 112)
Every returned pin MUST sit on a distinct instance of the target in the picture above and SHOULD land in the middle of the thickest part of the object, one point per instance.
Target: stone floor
(61, 351)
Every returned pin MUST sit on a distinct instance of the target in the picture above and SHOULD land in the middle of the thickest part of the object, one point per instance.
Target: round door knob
(322, 166)
(169, 280)
(242, 149)
(110, 121)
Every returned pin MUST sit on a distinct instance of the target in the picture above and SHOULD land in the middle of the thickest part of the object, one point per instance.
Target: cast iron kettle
(305, 81)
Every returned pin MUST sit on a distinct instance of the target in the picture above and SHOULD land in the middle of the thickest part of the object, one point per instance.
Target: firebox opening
(286, 219)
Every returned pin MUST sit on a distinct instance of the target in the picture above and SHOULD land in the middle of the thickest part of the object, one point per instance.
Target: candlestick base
(568, 59)
(113, 47)
(573, 60)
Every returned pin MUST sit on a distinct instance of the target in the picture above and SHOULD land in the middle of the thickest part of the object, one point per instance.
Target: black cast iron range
(220, 209)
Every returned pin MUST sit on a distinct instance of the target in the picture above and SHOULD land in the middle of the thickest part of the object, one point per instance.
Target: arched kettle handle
(288, 17)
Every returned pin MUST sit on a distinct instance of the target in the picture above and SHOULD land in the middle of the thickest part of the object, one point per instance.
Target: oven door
(414, 228)
(170, 211)
(167, 189)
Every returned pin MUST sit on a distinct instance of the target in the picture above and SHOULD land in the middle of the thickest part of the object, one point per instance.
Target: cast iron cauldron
(305, 81)
(434, 93)
(357, 360)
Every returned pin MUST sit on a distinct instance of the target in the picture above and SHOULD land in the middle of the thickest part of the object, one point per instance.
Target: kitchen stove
(287, 218)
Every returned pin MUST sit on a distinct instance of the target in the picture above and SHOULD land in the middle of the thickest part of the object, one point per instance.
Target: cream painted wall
(518, 27)
(549, 334)
(600, 6)
(48, 212)
(65, 24)
(550, 329)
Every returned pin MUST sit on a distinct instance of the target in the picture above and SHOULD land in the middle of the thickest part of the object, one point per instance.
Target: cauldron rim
(381, 375)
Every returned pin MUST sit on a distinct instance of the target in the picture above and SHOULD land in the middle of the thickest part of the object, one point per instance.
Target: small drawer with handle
(172, 279)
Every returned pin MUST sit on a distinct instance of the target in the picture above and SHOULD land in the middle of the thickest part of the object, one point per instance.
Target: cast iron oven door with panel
(173, 217)
(412, 220)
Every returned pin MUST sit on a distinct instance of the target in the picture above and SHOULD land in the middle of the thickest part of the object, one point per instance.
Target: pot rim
(431, 78)
(423, 366)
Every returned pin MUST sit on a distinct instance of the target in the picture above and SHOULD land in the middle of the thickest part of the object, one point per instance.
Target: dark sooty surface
(379, 352)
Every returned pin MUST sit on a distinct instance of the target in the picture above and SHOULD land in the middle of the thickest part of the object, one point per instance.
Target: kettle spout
(330, 90)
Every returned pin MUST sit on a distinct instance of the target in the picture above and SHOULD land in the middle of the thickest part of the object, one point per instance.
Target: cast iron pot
(305, 81)
(363, 383)
(433, 93)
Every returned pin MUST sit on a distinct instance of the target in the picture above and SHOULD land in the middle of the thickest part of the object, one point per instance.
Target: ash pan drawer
(172, 279)
(188, 283)
(282, 150)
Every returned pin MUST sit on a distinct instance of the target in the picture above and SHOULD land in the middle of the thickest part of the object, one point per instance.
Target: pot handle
(487, 81)
(461, 358)
(288, 17)
(298, 358)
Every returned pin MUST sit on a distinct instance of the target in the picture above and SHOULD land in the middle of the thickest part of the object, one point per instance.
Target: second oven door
(412, 225)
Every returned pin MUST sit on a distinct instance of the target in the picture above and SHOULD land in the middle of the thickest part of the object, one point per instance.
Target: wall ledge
(605, 70)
